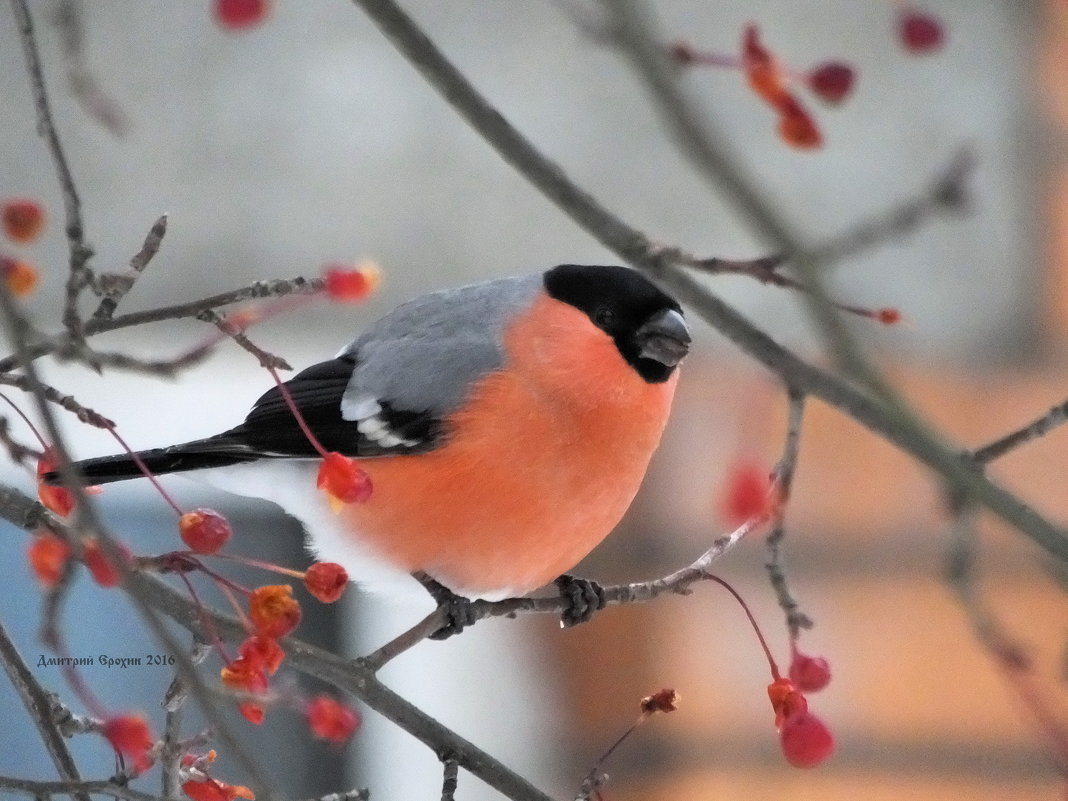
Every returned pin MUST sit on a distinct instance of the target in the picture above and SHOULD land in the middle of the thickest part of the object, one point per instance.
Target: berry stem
(144, 469)
(244, 560)
(752, 620)
(26, 420)
(284, 392)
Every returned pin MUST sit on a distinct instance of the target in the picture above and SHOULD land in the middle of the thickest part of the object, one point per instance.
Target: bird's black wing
(271, 430)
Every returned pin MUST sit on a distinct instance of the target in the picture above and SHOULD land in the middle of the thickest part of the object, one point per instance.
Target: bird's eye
(604, 316)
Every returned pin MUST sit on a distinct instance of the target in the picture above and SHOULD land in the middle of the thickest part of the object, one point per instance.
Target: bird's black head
(645, 323)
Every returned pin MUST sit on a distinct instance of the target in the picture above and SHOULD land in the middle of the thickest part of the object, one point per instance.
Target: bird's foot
(584, 597)
(457, 611)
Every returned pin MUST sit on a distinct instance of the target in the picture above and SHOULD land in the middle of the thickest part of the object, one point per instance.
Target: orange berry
(19, 276)
(796, 127)
(273, 610)
(103, 571)
(48, 556)
(764, 76)
(262, 652)
(245, 676)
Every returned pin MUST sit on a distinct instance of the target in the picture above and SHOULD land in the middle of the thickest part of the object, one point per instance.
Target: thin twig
(795, 618)
(947, 192)
(87, 520)
(96, 103)
(39, 704)
(115, 286)
(45, 790)
(1009, 656)
(450, 770)
(80, 253)
(350, 795)
(678, 583)
(266, 359)
(254, 291)
(633, 247)
(353, 676)
(53, 395)
(1037, 428)
(16, 451)
(174, 705)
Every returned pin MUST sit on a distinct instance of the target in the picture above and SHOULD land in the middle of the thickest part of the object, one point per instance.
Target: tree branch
(37, 702)
(635, 248)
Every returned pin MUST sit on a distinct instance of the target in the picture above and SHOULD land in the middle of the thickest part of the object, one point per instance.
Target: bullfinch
(505, 427)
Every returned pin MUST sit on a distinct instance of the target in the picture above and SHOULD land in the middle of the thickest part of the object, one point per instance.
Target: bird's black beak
(664, 337)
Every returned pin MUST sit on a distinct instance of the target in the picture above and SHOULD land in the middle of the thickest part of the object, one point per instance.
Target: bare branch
(268, 360)
(1009, 655)
(1037, 428)
(38, 703)
(115, 286)
(635, 248)
(53, 395)
(677, 583)
(795, 618)
(17, 452)
(450, 769)
(96, 103)
(87, 520)
(45, 790)
(80, 253)
(174, 704)
(257, 290)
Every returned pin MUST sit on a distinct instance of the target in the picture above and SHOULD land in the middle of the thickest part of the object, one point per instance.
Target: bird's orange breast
(539, 464)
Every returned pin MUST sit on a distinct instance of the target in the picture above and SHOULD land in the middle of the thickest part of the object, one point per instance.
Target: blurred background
(308, 140)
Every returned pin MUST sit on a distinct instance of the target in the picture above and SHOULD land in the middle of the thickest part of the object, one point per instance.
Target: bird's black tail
(220, 451)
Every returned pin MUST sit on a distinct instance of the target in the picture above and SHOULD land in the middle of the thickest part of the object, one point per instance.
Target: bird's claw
(457, 612)
(583, 596)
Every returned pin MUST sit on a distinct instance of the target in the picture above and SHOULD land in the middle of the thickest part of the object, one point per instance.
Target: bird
(505, 427)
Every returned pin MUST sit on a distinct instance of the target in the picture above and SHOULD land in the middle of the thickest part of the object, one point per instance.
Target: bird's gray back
(425, 354)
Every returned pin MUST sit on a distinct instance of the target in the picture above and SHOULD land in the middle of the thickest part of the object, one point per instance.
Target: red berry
(326, 581)
(131, 737)
(920, 32)
(48, 556)
(831, 81)
(343, 480)
(56, 499)
(237, 14)
(204, 530)
(263, 653)
(103, 571)
(747, 493)
(23, 220)
(330, 720)
(351, 284)
(806, 741)
(809, 673)
(888, 315)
